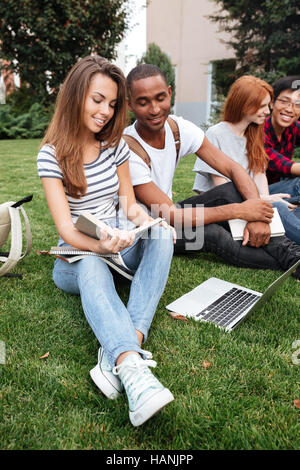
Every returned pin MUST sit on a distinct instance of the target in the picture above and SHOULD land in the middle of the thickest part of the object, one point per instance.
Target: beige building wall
(183, 31)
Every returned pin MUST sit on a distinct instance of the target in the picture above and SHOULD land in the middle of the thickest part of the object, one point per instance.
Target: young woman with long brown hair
(241, 136)
(83, 164)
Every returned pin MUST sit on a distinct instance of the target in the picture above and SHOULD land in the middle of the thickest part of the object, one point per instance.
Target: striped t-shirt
(101, 175)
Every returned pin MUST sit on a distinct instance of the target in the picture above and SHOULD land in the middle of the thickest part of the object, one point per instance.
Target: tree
(154, 55)
(265, 35)
(43, 39)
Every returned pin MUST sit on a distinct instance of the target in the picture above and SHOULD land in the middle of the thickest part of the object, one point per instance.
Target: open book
(90, 225)
(237, 227)
(71, 255)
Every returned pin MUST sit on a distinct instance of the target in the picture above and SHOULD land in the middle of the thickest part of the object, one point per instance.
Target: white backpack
(10, 221)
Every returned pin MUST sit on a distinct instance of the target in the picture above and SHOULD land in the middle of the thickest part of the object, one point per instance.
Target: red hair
(245, 97)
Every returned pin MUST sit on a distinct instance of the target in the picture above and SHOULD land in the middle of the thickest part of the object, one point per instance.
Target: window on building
(221, 76)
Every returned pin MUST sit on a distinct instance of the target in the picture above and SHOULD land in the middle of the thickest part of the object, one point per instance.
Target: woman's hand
(278, 198)
(117, 241)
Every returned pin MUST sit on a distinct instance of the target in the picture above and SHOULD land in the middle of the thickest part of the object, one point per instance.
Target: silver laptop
(223, 303)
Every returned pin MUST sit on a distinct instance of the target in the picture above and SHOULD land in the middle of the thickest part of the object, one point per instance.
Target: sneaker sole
(103, 384)
(149, 408)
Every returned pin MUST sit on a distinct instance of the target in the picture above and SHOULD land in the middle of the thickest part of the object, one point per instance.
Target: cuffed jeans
(113, 324)
(280, 253)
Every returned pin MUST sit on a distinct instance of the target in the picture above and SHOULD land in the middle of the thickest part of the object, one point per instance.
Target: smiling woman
(98, 108)
(83, 164)
(66, 132)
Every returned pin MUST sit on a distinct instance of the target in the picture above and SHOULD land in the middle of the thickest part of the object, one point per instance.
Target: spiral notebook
(70, 254)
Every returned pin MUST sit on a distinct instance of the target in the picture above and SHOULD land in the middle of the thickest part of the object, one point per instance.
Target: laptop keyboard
(228, 307)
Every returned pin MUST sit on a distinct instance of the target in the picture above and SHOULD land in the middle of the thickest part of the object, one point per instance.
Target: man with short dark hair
(282, 136)
(207, 214)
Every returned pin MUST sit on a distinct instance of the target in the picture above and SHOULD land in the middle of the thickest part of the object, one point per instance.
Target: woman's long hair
(244, 98)
(65, 126)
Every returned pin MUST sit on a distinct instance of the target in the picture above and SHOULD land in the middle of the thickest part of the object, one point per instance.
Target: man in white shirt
(150, 100)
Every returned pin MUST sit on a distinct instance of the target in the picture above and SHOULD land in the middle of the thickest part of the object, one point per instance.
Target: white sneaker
(109, 384)
(146, 395)
(102, 375)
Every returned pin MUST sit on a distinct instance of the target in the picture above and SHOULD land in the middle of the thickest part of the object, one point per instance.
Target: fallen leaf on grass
(45, 355)
(178, 317)
(206, 364)
(297, 403)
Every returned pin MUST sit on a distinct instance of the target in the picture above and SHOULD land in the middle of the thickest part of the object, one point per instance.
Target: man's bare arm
(161, 205)
(215, 158)
(257, 233)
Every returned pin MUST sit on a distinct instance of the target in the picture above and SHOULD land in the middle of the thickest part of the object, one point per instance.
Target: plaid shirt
(280, 153)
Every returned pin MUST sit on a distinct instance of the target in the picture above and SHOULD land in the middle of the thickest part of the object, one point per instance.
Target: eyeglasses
(295, 104)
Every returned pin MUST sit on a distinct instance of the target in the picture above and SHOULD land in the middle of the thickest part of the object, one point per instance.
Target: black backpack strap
(22, 201)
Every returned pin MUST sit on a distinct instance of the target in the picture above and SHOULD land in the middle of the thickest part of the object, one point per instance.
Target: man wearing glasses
(282, 135)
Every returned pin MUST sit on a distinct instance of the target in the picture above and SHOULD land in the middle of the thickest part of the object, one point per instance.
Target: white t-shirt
(163, 161)
(232, 145)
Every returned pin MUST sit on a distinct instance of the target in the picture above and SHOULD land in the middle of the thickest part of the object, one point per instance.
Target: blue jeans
(286, 185)
(290, 220)
(113, 324)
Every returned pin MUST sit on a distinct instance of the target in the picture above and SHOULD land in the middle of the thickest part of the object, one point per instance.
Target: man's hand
(256, 210)
(257, 234)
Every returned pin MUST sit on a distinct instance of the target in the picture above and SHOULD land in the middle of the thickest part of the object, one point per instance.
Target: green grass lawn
(243, 400)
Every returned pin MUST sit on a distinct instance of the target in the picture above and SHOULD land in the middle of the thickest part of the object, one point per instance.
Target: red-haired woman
(83, 164)
(241, 136)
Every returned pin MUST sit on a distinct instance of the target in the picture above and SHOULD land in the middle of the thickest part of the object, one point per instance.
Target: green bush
(296, 155)
(29, 125)
(21, 100)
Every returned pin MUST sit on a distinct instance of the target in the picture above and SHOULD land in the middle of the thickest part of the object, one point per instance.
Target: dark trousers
(280, 253)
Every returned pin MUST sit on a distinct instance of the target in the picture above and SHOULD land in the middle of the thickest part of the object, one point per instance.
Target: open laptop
(223, 303)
